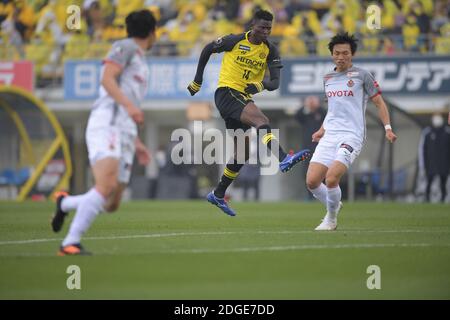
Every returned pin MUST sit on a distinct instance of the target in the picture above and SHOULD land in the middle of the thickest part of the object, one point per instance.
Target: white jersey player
(343, 132)
(111, 134)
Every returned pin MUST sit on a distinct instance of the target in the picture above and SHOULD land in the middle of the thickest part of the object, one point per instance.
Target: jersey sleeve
(324, 91)
(226, 43)
(371, 86)
(273, 58)
(120, 54)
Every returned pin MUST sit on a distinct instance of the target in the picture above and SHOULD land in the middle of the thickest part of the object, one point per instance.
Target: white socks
(320, 193)
(70, 203)
(89, 206)
(333, 199)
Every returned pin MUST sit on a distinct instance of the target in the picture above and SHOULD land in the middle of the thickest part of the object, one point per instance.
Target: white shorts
(108, 142)
(337, 148)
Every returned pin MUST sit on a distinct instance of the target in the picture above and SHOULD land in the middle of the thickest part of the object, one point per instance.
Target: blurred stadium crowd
(36, 30)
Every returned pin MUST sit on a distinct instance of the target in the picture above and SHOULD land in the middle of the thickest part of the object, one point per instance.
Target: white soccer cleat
(329, 224)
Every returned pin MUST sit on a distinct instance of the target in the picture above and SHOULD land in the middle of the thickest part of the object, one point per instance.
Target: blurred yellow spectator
(107, 8)
(98, 50)
(39, 54)
(322, 46)
(48, 26)
(350, 15)
(124, 7)
(390, 10)
(247, 9)
(442, 45)
(428, 7)
(313, 22)
(370, 40)
(223, 27)
(196, 8)
(292, 46)
(6, 9)
(26, 15)
(185, 32)
(77, 46)
(321, 4)
(411, 33)
(280, 20)
(408, 6)
(114, 32)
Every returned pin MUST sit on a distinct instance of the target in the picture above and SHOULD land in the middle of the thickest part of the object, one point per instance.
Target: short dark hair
(342, 38)
(263, 15)
(140, 24)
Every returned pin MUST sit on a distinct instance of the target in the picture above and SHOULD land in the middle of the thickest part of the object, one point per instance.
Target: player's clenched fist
(390, 136)
(194, 87)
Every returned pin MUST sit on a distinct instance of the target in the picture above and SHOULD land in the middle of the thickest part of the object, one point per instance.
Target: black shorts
(230, 104)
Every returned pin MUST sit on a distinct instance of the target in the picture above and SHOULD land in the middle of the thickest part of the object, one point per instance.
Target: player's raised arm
(219, 45)
(195, 85)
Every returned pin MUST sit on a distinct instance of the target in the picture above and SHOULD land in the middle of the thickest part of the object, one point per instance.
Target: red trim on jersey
(113, 62)
(379, 92)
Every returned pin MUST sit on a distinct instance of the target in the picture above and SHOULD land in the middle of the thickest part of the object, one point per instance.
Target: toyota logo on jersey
(340, 93)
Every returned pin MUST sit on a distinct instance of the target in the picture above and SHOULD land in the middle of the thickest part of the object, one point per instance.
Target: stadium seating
(300, 29)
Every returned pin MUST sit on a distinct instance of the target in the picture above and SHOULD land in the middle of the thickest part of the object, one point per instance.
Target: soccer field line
(311, 247)
(214, 233)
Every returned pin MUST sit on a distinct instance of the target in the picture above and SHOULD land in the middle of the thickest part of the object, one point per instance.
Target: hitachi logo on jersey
(242, 47)
(340, 93)
(254, 63)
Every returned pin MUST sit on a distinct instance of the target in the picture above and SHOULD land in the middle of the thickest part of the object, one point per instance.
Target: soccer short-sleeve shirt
(132, 81)
(347, 94)
(244, 62)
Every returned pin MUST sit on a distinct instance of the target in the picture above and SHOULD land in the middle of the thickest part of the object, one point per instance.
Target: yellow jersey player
(246, 58)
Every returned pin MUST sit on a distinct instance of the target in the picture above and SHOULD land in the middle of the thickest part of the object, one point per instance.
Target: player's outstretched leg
(220, 203)
(287, 161)
(60, 215)
(217, 196)
(89, 208)
(291, 160)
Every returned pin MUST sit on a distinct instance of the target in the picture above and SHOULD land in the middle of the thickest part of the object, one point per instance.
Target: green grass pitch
(190, 250)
